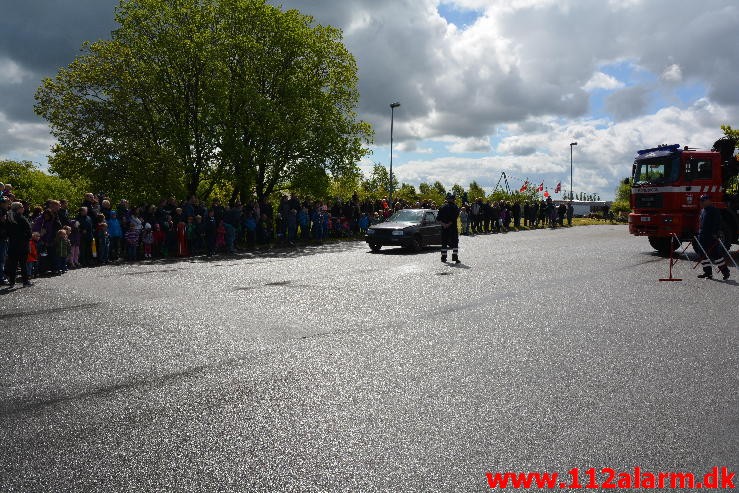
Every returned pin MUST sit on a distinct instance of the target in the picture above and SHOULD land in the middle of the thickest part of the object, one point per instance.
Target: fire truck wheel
(662, 243)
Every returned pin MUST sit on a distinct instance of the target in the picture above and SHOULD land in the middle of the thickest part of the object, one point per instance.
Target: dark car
(409, 228)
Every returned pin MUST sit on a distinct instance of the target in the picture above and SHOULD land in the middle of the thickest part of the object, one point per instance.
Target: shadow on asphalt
(404, 251)
(257, 253)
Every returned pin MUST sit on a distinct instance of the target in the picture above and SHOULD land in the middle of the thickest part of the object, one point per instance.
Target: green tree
(36, 187)
(732, 186)
(475, 192)
(431, 193)
(622, 199)
(345, 185)
(408, 193)
(731, 132)
(439, 188)
(376, 186)
(189, 95)
(458, 191)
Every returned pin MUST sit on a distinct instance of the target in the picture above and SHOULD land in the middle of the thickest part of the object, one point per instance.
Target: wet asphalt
(330, 368)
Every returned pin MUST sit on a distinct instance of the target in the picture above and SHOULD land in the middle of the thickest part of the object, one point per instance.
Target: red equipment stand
(673, 260)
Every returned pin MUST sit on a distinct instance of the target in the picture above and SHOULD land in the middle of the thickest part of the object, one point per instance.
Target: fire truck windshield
(657, 171)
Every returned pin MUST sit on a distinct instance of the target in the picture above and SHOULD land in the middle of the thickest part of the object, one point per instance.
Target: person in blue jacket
(115, 233)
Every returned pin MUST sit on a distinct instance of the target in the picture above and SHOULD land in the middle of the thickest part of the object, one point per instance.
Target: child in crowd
(159, 240)
(464, 218)
(198, 241)
(32, 260)
(191, 235)
(263, 230)
(102, 239)
(221, 236)
(170, 232)
(63, 249)
(346, 229)
(250, 224)
(182, 239)
(317, 224)
(74, 239)
(132, 242)
(210, 232)
(303, 220)
(115, 233)
(292, 226)
(147, 238)
(327, 223)
(364, 223)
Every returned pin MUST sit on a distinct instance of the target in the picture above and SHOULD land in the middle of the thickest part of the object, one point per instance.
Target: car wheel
(375, 247)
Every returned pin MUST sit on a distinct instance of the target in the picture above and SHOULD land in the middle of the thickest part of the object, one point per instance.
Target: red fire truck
(666, 185)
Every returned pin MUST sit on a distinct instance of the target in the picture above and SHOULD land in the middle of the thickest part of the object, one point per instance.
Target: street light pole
(392, 119)
(572, 144)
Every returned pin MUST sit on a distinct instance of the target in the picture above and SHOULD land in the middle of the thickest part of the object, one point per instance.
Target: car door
(431, 229)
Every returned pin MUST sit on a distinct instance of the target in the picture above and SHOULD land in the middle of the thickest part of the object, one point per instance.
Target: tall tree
(475, 192)
(376, 186)
(36, 186)
(192, 94)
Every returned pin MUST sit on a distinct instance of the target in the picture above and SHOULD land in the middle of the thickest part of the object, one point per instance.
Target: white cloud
(524, 70)
(470, 145)
(26, 141)
(12, 73)
(599, 80)
(601, 159)
(672, 73)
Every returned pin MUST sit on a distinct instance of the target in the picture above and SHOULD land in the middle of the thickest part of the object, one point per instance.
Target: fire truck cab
(667, 183)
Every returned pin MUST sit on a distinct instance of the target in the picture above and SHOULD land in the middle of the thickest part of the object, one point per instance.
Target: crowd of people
(494, 217)
(51, 239)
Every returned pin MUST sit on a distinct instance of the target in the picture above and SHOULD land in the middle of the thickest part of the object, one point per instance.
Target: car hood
(393, 225)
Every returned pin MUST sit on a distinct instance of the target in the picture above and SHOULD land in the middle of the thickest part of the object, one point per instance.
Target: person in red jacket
(32, 259)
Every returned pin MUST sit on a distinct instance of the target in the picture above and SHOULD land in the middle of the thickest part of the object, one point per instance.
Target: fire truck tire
(662, 243)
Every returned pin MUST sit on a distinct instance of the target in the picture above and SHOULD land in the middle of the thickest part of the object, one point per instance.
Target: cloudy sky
(485, 86)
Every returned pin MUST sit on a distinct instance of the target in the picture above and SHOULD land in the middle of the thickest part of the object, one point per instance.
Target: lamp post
(392, 119)
(572, 144)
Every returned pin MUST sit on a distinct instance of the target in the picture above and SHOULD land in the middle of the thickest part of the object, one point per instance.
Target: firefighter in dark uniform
(448, 214)
(710, 224)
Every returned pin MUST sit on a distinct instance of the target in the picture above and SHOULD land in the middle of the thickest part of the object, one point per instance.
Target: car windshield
(657, 171)
(407, 216)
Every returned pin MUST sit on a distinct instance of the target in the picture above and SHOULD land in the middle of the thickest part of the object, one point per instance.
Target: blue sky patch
(458, 16)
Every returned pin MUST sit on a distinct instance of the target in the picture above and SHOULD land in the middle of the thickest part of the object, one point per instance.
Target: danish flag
(558, 188)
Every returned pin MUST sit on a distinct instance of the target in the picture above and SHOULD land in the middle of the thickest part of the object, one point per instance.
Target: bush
(36, 186)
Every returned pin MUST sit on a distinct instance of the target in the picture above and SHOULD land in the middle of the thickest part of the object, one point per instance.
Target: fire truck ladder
(505, 180)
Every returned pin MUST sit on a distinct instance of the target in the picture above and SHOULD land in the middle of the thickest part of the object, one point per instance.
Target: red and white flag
(525, 186)
(541, 187)
(558, 188)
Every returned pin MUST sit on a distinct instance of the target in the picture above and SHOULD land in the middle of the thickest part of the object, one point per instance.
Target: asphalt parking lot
(330, 368)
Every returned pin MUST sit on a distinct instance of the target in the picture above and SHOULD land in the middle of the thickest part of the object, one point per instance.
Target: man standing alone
(448, 214)
(710, 224)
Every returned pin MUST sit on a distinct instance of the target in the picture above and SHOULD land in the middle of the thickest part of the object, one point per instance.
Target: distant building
(585, 207)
